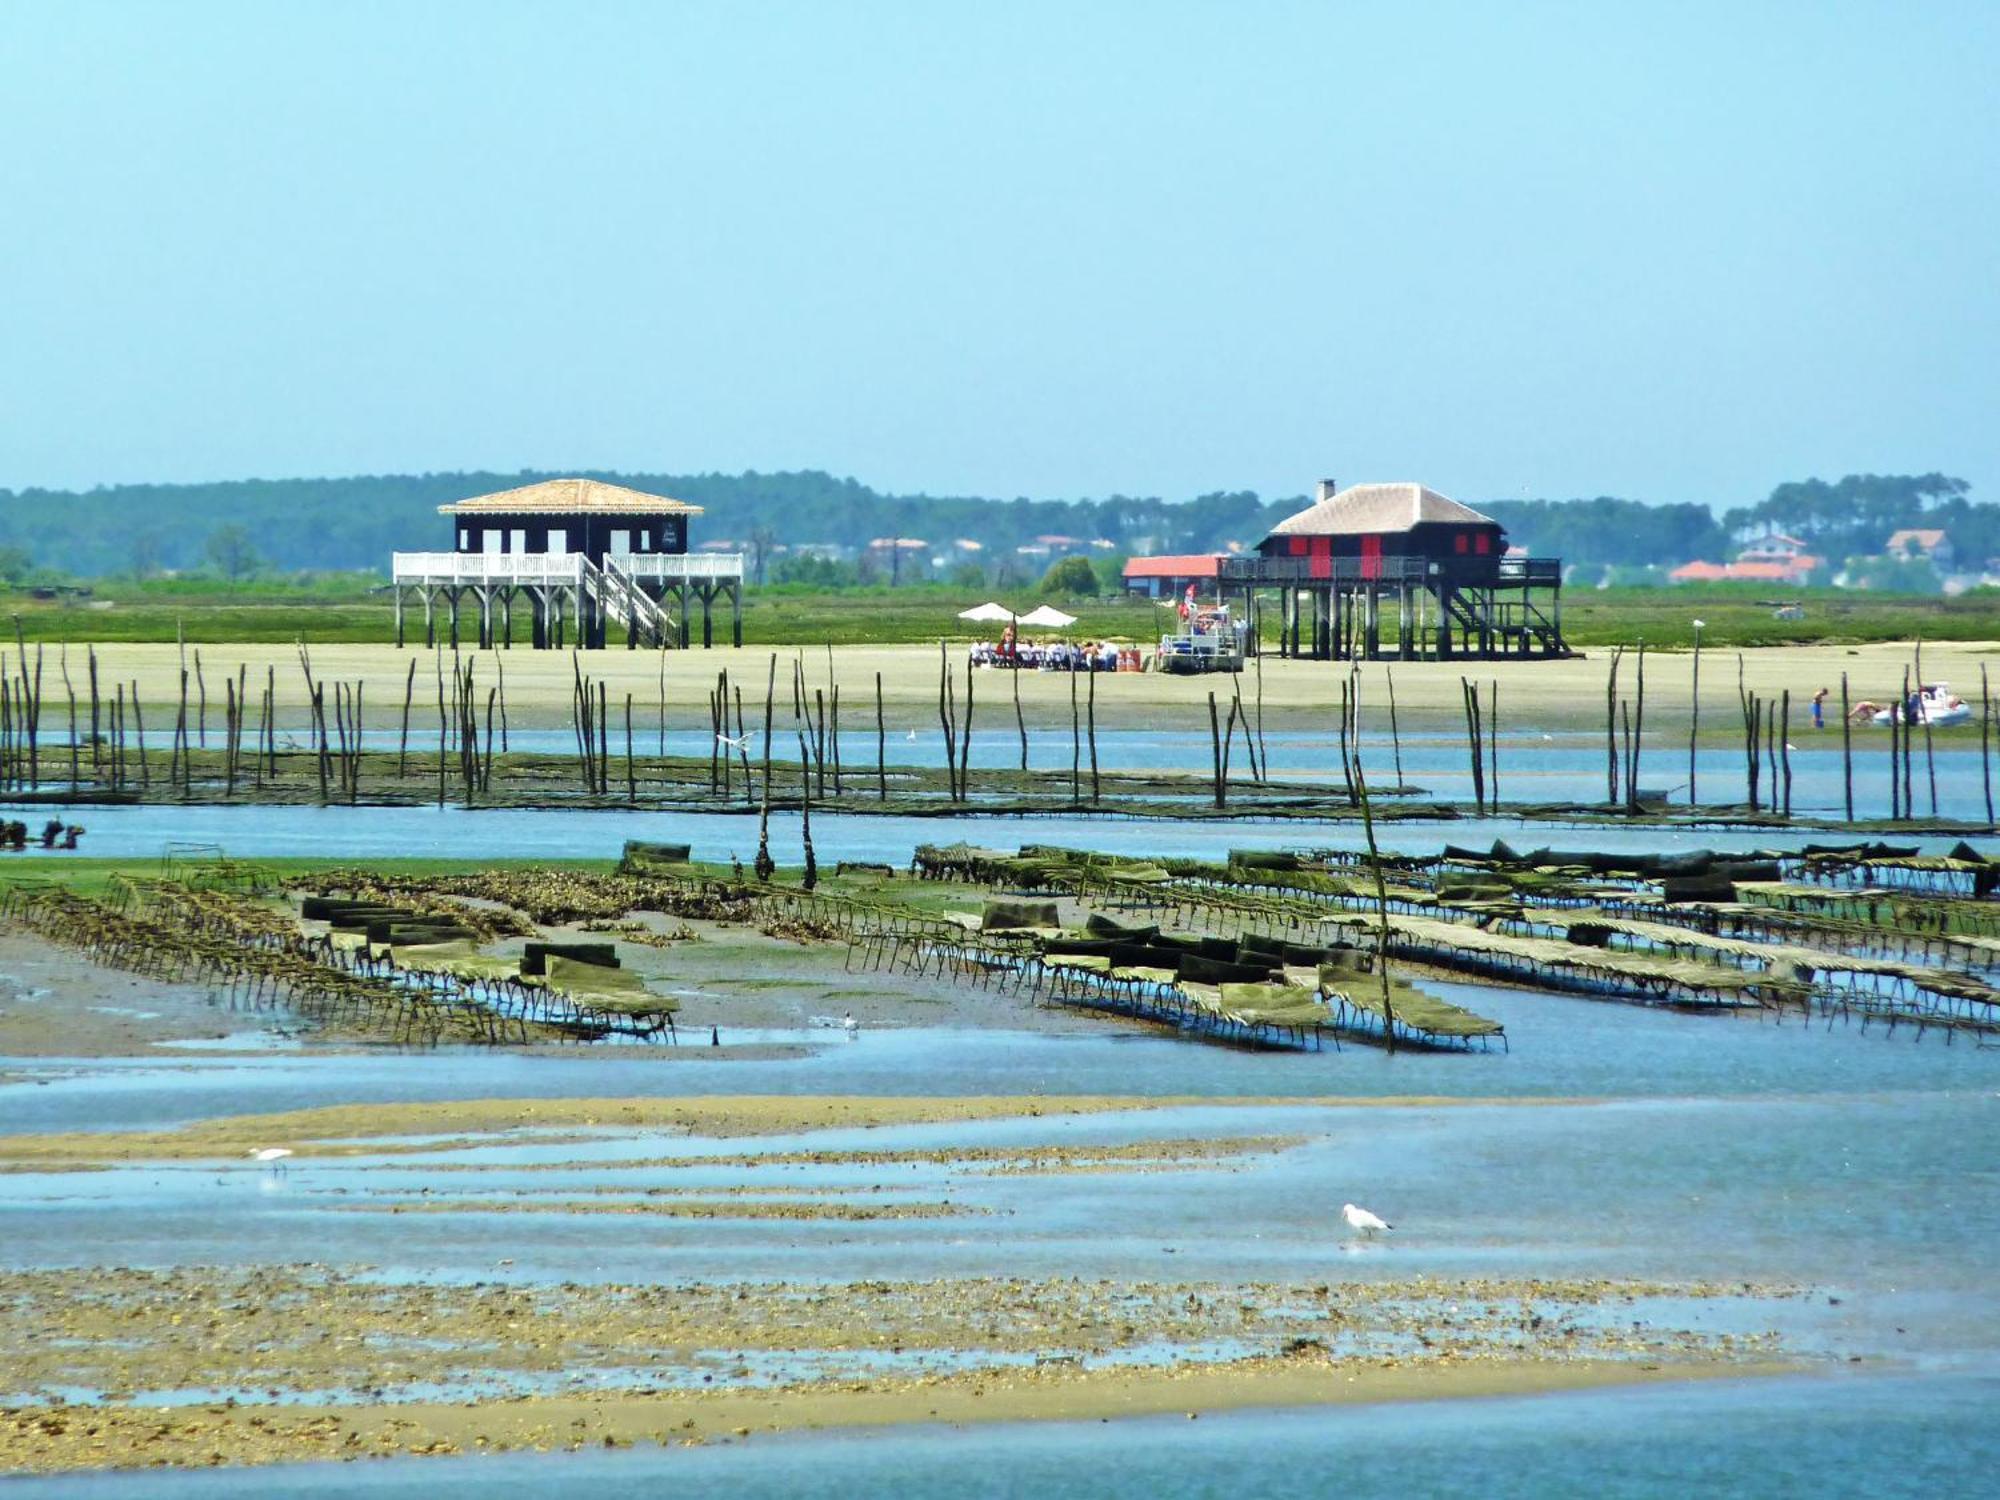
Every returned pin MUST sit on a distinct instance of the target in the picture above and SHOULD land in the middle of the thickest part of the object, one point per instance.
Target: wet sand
(347, 1130)
(56, 1003)
(312, 1362)
(47, 1441)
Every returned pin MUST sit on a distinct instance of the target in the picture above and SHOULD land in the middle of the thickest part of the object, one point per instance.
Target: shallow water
(535, 833)
(1878, 1437)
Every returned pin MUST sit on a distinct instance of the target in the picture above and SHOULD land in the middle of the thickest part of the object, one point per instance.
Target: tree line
(240, 527)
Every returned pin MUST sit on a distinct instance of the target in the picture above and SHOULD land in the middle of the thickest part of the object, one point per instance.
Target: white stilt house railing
(645, 595)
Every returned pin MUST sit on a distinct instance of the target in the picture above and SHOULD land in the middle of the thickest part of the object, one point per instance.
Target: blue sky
(1676, 252)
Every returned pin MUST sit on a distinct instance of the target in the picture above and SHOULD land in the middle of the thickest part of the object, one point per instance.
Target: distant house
(1912, 544)
(1168, 576)
(1763, 563)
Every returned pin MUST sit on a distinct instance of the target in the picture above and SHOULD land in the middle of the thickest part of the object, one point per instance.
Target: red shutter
(1484, 544)
(1371, 557)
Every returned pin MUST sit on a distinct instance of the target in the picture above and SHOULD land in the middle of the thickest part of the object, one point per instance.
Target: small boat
(1936, 706)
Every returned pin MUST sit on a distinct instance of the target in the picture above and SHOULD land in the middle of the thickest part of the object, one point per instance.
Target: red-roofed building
(1794, 571)
(1167, 577)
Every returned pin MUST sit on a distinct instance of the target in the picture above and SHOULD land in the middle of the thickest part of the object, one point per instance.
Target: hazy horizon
(1547, 250)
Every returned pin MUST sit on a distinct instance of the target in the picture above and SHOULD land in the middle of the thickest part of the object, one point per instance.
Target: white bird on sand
(271, 1156)
(849, 1025)
(1361, 1219)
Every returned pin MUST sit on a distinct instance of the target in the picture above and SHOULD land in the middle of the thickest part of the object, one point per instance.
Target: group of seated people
(1046, 656)
(55, 834)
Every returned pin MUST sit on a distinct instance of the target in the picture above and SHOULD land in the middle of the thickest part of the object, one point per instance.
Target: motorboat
(1936, 707)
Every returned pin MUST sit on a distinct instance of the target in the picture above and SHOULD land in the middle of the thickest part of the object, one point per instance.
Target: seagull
(849, 1025)
(271, 1156)
(911, 736)
(1361, 1219)
(735, 744)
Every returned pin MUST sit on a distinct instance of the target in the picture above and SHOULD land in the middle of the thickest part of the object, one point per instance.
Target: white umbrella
(988, 611)
(1047, 617)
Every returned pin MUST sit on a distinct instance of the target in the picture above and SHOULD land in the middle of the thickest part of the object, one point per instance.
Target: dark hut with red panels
(1398, 570)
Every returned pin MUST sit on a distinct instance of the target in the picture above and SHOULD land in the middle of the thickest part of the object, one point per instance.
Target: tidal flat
(976, 1209)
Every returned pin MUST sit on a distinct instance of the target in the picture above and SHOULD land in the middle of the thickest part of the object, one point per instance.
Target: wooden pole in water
(178, 746)
(810, 877)
(1096, 789)
(1263, 756)
(1694, 715)
(201, 700)
(1625, 713)
(1229, 738)
(492, 699)
(603, 740)
(742, 739)
(319, 737)
(242, 711)
(1610, 729)
(1381, 908)
(1987, 769)
(719, 725)
(340, 729)
(1020, 723)
(965, 742)
(881, 746)
(1346, 763)
(500, 681)
(118, 741)
(1895, 763)
(833, 734)
(764, 864)
(75, 770)
(1638, 735)
(1775, 799)
(1909, 754)
(1846, 752)
(35, 721)
(1215, 745)
(1469, 694)
(229, 745)
(1075, 742)
(819, 730)
(1395, 734)
(1493, 741)
(95, 725)
(403, 739)
(1930, 756)
(631, 777)
(438, 658)
(662, 751)
(1747, 703)
(1785, 744)
(944, 721)
(951, 747)
(139, 729)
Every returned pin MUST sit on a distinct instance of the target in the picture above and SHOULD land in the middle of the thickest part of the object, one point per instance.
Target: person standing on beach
(1819, 709)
